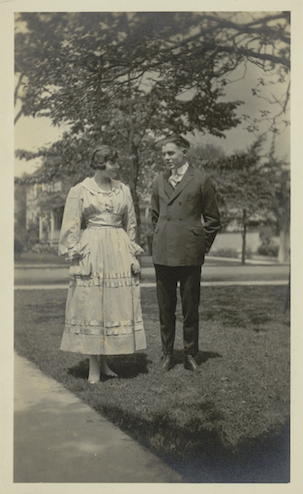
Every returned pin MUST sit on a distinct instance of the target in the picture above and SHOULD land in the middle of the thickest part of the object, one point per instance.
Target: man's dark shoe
(190, 363)
(167, 362)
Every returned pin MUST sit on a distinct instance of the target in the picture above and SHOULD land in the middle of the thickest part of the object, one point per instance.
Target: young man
(182, 198)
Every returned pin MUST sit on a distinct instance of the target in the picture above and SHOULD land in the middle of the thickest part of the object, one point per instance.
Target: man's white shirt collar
(177, 175)
(181, 170)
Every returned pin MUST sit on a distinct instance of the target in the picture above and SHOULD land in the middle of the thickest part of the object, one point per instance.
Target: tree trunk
(16, 98)
(244, 221)
(284, 247)
(134, 167)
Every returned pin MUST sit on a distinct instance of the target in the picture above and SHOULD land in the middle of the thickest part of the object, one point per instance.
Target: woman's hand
(75, 258)
(135, 267)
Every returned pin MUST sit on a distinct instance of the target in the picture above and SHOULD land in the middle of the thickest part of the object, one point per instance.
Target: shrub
(266, 233)
(27, 237)
(248, 253)
(18, 248)
(229, 252)
(271, 250)
(43, 249)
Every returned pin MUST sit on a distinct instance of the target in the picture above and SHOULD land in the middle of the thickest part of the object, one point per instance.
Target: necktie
(174, 179)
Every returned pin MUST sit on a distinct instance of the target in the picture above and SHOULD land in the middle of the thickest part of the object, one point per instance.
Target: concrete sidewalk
(57, 438)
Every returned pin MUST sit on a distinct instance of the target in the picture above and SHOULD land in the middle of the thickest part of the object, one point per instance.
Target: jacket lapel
(189, 174)
(166, 186)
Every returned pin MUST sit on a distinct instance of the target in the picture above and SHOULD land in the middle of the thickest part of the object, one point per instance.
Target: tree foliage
(179, 51)
(129, 78)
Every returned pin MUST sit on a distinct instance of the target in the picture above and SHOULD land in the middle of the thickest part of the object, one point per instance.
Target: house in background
(50, 220)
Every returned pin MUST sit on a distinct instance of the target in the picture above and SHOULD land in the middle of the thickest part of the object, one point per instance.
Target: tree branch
(17, 88)
(18, 116)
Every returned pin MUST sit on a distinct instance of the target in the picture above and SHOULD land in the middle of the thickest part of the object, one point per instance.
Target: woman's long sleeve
(71, 224)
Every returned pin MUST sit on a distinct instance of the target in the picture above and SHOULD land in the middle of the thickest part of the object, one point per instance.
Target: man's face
(173, 156)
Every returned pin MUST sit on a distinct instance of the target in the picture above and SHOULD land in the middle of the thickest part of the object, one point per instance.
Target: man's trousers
(167, 278)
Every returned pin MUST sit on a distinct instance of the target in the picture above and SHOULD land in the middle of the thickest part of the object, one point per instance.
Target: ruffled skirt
(103, 311)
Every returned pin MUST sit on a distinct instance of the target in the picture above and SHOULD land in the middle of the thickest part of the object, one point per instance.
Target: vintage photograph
(152, 247)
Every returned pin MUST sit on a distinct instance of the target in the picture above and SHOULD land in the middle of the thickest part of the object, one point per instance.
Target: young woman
(103, 312)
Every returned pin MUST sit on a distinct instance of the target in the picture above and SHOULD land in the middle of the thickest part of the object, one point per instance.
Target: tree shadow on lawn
(200, 456)
(264, 459)
(126, 366)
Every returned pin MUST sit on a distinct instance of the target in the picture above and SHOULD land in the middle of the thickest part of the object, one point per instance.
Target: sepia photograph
(151, 247)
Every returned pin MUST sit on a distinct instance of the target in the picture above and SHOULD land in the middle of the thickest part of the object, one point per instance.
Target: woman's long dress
(103, 312)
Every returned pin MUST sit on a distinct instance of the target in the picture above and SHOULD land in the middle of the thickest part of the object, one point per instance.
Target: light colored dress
(103, 311)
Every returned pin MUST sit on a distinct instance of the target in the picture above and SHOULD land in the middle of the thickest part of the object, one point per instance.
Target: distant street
(214, 270)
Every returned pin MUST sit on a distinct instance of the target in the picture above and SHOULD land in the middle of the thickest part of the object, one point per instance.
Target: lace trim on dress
(91, 185)
(115, 190)
(106, 280)
(92, 327)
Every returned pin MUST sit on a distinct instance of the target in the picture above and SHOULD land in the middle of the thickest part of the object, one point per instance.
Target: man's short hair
(175, 139)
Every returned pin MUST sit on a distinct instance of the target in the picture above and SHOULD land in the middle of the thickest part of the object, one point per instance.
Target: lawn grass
(218, 424)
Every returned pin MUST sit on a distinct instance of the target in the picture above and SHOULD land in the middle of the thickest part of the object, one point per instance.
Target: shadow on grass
(265, 459)
(130, 366)
(126, 366)
(201, 457)
(200, 358)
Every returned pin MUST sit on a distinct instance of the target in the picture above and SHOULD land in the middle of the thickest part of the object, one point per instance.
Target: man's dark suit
(179, 245)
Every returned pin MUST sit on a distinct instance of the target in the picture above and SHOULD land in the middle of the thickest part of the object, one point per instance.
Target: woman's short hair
(175, 139)
(106, 153)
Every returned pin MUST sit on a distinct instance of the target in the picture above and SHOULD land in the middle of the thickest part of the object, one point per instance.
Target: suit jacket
(185, 220)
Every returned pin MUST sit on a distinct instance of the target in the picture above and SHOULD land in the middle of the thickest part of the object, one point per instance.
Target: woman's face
(111, 168)
(111, 165)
